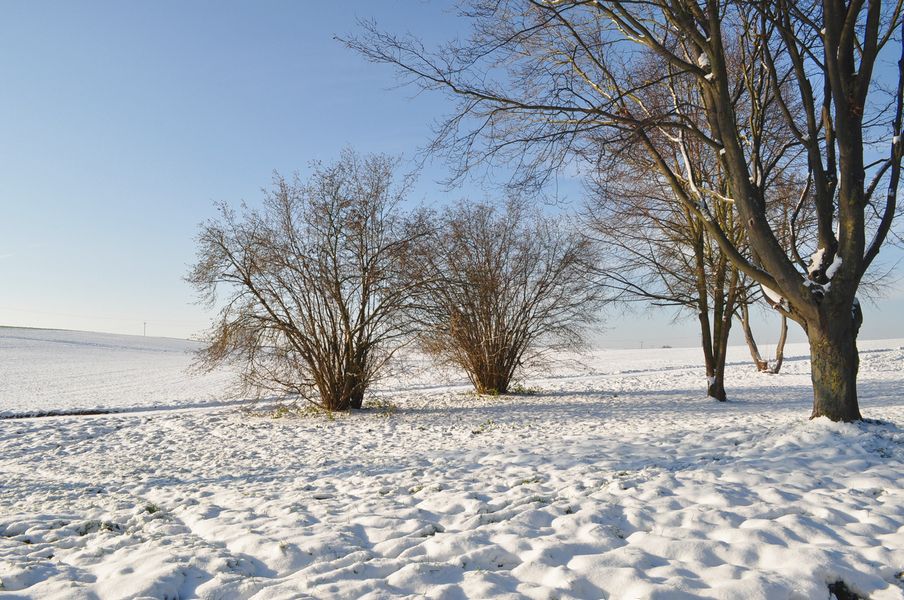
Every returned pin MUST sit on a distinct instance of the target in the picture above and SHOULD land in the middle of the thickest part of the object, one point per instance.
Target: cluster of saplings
(331, 276)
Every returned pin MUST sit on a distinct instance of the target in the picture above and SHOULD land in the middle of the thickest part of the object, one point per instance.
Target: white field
(618, 478)
(51, 370)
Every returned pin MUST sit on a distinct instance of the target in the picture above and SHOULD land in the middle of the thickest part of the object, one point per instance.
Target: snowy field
(615, 478)
(51, 370)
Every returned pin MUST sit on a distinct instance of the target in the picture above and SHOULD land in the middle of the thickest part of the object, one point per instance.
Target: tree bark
(780, 347)
(492, 383)
(834, 363)
(356, 392)
(761, 365)
(716, 385)
(714, 358)
(717, 388)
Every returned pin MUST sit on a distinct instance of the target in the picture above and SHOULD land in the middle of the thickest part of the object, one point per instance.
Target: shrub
(313, 302)
(497, 285)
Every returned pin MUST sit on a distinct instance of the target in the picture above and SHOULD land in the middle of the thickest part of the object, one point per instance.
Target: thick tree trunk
(715, 383)
(716, 388)
(834, 363)
(720, 366)
(723, 314)
(714, 359)
(716, 380)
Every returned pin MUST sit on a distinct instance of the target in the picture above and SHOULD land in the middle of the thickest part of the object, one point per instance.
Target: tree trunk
(493, 382)
(355, 381)
(723, 313)
(761, 365)
(716, 388)
(834, 363)
(714, 358)
(355, 391)
(715, 385)
(491, 370)
(780, 347)
(342, 395)
(333, 402)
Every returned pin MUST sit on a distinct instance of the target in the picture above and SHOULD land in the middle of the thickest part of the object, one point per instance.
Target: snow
(618, 478)
(816, 261)
(833, 268)
(772, 294)
(45, 369)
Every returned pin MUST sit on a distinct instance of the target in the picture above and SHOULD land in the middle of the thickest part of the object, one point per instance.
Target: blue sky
(122, 122)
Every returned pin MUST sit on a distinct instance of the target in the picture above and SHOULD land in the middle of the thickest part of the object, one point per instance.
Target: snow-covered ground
(51, 370)
(615, 478)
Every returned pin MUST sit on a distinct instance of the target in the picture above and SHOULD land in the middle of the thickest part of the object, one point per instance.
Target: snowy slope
(52, 370)
(618, 478)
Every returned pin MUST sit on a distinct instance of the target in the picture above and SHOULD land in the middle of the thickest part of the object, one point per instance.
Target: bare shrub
(313, 302)
(498, 286)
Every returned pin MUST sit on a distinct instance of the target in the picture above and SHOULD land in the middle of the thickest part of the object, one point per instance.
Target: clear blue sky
(122, 122)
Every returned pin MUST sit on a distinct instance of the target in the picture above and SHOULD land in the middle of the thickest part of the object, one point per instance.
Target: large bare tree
(498, 286)
(310, 284)
(544, 82)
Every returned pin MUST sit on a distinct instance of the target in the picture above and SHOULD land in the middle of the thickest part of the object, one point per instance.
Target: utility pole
(145, 329)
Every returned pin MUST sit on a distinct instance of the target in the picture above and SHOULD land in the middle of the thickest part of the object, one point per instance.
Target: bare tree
(498, 286)
(660, 250)
(544, 82)
(655, 250)
(313, 300)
